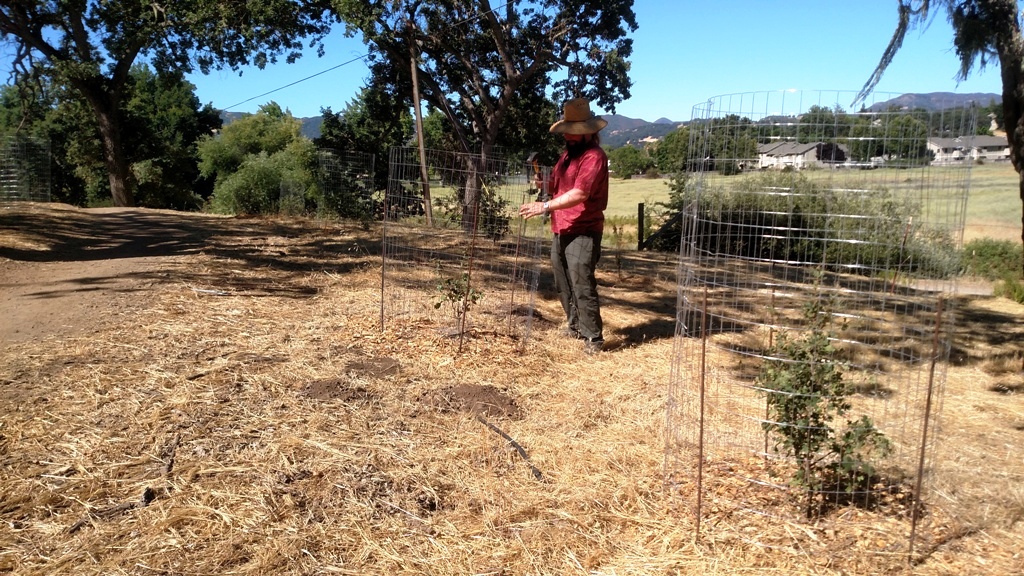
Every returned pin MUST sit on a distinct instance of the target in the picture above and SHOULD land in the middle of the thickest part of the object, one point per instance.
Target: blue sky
(685, 52)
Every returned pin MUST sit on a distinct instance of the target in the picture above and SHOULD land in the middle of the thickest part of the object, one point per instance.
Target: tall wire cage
(818, 255)
(346, 181)
(456, 255)
(24, 169)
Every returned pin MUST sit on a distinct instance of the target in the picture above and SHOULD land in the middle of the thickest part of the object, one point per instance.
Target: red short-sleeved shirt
(588, 172)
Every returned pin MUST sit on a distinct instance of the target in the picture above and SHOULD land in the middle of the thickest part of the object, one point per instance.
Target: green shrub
(458, 296)
(788, 217)
(992, 259)
(255, 188)
(806, 398)
(346, 193)
(667, 214)
(1011, 288)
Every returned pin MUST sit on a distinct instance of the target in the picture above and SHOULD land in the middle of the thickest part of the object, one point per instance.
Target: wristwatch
(545, 207)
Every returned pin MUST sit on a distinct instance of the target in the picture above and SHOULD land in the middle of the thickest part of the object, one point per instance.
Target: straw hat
(578, 119)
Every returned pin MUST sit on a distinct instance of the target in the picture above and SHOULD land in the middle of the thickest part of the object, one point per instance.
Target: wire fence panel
(24, 169)
(818, 257)
(455, 252)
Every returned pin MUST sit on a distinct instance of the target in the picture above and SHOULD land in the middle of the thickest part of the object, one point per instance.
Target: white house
(779, 155)
(991, 149)
(947, 150)
(984, 148)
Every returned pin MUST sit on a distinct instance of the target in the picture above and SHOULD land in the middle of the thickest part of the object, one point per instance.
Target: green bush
(668, 215)
(807, 397)
(788, 217)
(344, 189)
(255, 159)
(255, 188)
(993, 259)
(1011, 288)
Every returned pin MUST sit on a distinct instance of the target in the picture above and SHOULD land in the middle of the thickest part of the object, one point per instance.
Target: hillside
(938, 100)
(623, 130)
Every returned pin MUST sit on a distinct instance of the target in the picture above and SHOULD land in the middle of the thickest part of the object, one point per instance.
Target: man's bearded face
(575, 144)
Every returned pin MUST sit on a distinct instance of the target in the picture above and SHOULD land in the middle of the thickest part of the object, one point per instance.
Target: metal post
(700, 430)
(640, 226)
(427, 208)
(915, 510)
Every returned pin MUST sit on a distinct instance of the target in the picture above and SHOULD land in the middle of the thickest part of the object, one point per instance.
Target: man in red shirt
(579, 196)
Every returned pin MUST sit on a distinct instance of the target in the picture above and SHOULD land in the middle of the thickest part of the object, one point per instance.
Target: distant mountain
(937, 101)
(311, 126)
(229, 117)
(623, 130)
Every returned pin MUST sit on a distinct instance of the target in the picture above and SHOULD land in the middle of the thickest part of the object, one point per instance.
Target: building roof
(786, 148)
(976, 142)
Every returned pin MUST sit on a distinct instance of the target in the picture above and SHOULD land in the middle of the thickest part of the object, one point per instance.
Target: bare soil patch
(187, 394)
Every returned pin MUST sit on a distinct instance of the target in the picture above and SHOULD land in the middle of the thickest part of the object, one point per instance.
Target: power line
(301, 80)
(356, 59)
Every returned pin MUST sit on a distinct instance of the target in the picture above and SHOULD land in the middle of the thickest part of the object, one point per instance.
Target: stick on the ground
(516, 445)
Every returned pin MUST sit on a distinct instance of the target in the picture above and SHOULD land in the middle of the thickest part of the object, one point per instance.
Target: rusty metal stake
(915, 510)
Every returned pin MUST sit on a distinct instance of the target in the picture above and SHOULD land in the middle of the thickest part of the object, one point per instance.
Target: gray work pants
(574, 260)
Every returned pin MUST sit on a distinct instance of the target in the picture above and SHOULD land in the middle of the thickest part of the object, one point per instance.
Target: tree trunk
(471, 192)
(1021, 187)
(478, 167)
(118, 171)
(105, 103)
(1011, 58)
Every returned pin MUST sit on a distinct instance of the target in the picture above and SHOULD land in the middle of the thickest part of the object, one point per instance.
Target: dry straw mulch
(250, 416)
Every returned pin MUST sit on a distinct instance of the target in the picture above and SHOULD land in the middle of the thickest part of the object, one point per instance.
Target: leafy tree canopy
(163, 121)
(90, 46)
(253, 159)
(478, 63)
(628, 161)
(268, 131)
(671, 152)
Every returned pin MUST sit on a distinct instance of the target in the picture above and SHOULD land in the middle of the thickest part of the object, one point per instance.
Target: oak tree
(475, 61)
(91, 46)
(984, 32)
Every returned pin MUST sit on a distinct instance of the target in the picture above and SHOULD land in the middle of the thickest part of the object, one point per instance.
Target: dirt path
(66, 271)
(39, 299)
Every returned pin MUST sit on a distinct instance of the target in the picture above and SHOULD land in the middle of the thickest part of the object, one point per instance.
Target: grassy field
(993, 203)
(624, 195)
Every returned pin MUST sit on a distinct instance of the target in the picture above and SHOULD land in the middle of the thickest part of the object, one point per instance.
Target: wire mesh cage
(293, 198)
(819, 249)
(24, 169)
(346, 181)
(455, 252)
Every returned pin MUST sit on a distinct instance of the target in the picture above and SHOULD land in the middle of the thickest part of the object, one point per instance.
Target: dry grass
(251, 417)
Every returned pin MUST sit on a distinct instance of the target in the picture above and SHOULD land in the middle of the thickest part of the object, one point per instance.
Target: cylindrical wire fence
(346, 179)
(455, 253)
(818, 254)
(24, 169)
